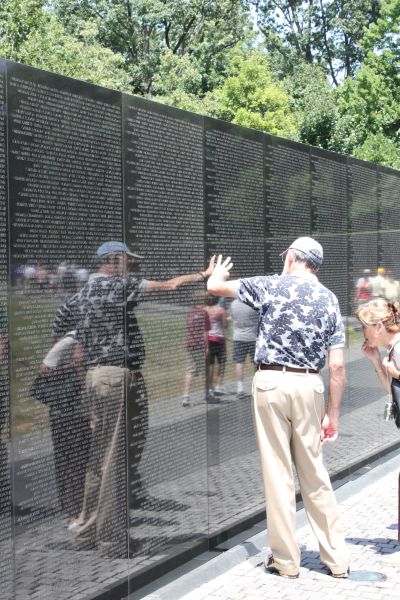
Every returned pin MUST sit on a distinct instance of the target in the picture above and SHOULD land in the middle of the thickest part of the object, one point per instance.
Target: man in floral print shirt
(108, 335)
(299, 324)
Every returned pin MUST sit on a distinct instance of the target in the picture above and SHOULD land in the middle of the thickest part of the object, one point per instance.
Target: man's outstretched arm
(218, 283)
(176, 282)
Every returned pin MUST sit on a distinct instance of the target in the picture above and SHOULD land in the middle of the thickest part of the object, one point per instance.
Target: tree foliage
(250, 97)
(313, 103)
(327, 32)
(369, 104)
(28, 34)
(144, 31)
(325, 72)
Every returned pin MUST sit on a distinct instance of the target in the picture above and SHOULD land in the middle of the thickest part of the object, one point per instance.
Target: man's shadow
(308, 561)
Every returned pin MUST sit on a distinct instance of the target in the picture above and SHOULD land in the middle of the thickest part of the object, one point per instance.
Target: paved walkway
(368, 504)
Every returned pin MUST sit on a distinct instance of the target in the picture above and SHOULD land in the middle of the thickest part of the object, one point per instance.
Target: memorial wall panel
(235, 226)
(65, 200)
(6, 541)
(288, 197)
(362, 387)
(363, 219)
(388, 202)
(234, 195)
(330, 220)
(164, 207)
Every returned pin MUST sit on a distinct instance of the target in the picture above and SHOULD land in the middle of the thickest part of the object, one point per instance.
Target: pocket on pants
(263, 390)
(319, 402)
(319, 387)
(266, 386)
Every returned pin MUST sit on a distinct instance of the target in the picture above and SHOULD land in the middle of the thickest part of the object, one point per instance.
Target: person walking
(300, 322)
(198, 326)
(245, 323)
(216, 360)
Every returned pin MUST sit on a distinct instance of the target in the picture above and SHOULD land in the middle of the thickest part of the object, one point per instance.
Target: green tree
(251, 98)
(379, 149)
(327, 32)
(369, 104)
(313, 103)
(143, 31)
(28, 34)
(178, 82)
(18, 18)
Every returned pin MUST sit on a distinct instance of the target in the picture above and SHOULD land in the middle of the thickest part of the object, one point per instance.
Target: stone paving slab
(368, 506)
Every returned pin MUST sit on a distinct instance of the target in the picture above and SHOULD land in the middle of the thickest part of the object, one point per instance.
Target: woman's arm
(374, 356)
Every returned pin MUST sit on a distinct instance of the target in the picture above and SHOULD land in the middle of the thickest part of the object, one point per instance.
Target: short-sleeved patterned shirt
(299, 319)
(103, 314)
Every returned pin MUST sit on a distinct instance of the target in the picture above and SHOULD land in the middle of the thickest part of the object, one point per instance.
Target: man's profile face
(119, 263)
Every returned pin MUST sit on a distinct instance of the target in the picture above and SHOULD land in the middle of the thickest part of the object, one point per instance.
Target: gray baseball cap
(112, 246)
(310, 247)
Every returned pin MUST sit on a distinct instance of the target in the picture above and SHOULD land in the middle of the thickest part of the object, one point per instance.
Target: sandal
(270, 568)
(341, 575)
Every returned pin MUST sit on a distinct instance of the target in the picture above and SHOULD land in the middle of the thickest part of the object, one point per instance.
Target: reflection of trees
(329, 193)
(238, 186)
(294, 189)
(363, 209)
(389, 197)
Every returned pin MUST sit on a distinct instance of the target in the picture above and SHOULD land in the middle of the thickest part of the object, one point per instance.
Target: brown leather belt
(264, 367)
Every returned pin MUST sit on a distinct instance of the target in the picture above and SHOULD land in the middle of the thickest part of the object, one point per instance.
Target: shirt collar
(302, 273)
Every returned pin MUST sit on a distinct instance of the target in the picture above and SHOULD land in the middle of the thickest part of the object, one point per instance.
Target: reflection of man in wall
(113, 346)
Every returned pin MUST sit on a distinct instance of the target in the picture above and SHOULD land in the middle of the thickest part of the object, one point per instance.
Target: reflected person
(245, 323)
(197, 328)
(299, 322)
(216, 348)
(60, 386)
(113, 347)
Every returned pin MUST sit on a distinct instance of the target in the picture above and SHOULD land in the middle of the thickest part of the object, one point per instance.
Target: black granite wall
(81, 165)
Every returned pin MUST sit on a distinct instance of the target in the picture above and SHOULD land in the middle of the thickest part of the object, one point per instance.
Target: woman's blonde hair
(380, 311)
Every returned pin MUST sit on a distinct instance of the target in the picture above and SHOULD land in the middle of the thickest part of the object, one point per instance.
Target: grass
(164, 369)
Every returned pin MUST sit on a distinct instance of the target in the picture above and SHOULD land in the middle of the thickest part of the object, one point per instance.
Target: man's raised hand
(222, 268)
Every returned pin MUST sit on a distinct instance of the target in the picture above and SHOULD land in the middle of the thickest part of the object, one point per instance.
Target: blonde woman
(380, 322)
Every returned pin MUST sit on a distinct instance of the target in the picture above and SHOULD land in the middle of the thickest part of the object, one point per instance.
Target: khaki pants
(118, 406)
(288, 410)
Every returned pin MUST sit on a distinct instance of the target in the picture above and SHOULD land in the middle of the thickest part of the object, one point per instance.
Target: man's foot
(185, 401)
(273, 570)
(241, 394)
(219, 390)
(343, 575)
